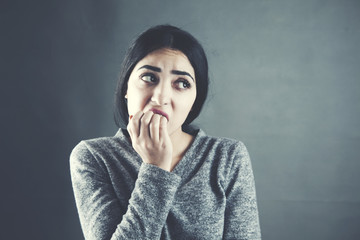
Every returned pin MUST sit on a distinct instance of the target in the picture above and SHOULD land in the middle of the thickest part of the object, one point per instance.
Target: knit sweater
(210, 194)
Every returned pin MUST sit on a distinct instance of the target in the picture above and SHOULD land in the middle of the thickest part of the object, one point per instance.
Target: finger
(154, 127)
(134, 125)
(163, 131)
(144, 125)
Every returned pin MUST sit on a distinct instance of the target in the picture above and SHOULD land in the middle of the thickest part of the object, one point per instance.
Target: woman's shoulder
(222, 153)
(101, 146)
(220, 143)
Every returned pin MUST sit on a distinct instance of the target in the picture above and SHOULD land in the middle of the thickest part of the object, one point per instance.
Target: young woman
(158, 178)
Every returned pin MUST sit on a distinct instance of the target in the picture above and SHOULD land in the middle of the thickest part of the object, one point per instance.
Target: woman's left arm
(241, 213)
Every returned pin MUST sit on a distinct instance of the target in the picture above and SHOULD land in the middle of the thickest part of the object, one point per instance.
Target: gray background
(285, 79)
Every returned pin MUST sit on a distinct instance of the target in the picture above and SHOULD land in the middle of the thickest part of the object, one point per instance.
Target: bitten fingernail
(131, 116)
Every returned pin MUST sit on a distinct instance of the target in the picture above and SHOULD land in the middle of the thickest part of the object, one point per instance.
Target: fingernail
(131, 116)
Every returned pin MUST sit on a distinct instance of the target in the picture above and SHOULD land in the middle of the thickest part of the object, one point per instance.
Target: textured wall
(285, 80)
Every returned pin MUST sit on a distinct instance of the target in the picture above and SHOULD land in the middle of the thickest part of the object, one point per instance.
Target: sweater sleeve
(241, 213)
(100, 213)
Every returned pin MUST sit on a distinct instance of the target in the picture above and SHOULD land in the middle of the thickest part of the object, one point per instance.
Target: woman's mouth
(157, 111)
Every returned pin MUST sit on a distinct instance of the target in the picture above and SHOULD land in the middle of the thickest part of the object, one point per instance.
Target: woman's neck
(181, 141)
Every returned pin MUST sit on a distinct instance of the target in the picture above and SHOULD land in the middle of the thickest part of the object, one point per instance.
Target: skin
(163, 80)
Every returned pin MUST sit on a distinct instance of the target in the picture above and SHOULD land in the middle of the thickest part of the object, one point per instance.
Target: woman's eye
(183, 84)
(148, 78)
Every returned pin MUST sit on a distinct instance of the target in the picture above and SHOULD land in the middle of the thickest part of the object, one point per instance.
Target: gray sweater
(210, 194)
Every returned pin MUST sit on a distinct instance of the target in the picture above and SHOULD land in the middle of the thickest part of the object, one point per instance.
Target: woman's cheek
(135, 105)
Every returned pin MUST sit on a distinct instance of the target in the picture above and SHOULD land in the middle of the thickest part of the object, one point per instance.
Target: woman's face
(163, 80)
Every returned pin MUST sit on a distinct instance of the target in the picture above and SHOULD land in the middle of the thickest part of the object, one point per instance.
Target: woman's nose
(162, 94)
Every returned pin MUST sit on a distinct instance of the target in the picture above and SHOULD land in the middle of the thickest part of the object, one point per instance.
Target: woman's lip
(157, 111)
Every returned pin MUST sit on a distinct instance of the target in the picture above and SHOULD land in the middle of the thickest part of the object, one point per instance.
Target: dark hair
(158, 37)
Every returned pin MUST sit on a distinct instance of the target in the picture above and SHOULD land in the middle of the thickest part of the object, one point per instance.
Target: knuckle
(155, 124)
(144, 145)
(138, 142)
(148, 145)
(144, 120)
(162, 126)
(163, 121)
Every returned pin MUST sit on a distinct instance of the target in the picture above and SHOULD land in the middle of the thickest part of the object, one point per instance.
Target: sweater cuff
(158, 177)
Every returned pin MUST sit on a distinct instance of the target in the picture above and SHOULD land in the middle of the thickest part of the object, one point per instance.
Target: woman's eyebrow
(155, 69)
(176, 72)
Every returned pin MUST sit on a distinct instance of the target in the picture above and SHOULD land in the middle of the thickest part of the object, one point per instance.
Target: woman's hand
(150, 138)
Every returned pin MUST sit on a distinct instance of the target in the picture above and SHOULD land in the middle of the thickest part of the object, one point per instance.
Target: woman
(159, 178)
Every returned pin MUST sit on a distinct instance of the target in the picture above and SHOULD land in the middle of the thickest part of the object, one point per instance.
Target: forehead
(167, 59)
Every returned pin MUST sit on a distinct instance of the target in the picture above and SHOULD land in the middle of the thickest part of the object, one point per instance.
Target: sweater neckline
(181, 168)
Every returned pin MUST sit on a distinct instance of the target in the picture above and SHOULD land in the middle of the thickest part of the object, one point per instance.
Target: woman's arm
(241, 214)
(100, 213)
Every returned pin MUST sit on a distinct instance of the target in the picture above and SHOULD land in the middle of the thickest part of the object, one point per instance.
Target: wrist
(163, 166)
